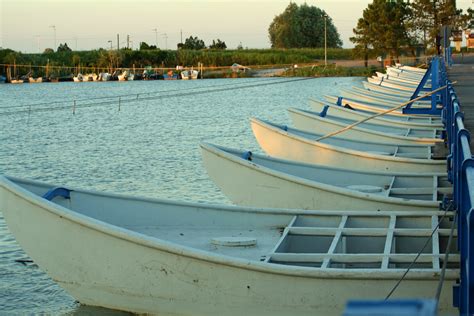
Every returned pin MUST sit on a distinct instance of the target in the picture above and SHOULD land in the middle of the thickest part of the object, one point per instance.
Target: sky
(33, 25)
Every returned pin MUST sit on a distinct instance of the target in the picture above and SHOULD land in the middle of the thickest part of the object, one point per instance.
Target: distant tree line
(193, 43)
(393, 27)
(109, 60)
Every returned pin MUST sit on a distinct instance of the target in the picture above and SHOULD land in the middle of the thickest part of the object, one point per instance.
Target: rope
(380, 114)
(445, 262)
(48, 109)
(418, 255)
(127, 95)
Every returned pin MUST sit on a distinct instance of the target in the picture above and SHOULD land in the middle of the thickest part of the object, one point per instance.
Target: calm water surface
(148, 148)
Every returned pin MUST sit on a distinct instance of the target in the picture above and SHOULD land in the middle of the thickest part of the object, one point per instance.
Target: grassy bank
(331, 71)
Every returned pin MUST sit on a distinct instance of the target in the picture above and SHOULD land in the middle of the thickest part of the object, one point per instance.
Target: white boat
(390, 90)
(387, 120)
(400, 83)
(409, 80)
(124, 76)
(380, 107)
(189, 74)
(255, 180)
(378, 98)
(152, 256)
(104, 76)
(17, 81)
(404, 74)
(404, 83)
(396, 96)
(35, 80)
(90, 77)
(410, 69)
(316, 123)
(388, 84)
(293, 144)
(78, 78)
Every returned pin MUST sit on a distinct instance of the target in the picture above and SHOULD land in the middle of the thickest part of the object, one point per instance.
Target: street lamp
(325, 40)
(54, 29)
(156, 36)
(110, 44)
(166, 39)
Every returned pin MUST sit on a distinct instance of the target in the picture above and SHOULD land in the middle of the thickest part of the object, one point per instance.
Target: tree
(429, 16)
(64, 48)
(302, 26)
(145, 46)
(383, 29)
(218, 45)
(48, 51)
(192, 43)
(470, 13)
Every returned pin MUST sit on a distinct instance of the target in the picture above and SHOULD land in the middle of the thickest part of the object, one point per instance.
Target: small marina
(305, 177)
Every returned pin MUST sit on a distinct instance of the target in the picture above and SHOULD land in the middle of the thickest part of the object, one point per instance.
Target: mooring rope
(446, 258)
(129, 94)
(430, 238)
(135, 97)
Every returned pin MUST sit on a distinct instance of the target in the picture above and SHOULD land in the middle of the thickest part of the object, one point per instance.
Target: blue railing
(461, 174)
(460, 167)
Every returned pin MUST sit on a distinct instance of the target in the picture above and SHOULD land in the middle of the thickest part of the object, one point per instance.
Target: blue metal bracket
(339, 101)
(434, 72)
(58, 191)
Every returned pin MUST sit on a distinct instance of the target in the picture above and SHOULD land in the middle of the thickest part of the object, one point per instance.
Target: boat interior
(425, 187)
(405, 151)
(321, 239)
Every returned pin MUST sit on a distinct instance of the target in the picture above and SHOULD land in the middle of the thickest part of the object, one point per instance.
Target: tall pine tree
(383, 29)
(430, 15)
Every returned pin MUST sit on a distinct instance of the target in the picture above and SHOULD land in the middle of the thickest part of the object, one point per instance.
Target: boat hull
(355, 115)
(245, 183)
(313, 123)
(107, 267)
(278, 143)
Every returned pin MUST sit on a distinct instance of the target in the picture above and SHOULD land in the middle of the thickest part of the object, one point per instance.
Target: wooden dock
(462, 71)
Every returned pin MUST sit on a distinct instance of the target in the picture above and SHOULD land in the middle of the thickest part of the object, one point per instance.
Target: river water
(146, 144)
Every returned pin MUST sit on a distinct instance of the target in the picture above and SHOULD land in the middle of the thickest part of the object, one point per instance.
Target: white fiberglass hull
(378, 108)
(354, 114)
(290, 184)
(309, 121)
(283, 144)
(104, 255)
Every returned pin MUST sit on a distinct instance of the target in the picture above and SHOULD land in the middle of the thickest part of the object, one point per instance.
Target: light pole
(156, 36)
(54, 29)
(38, 39)
(325, 41)
(166, 39)
(110, 44)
